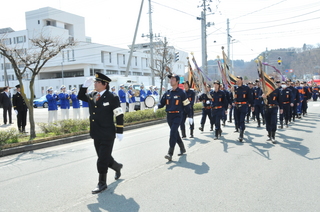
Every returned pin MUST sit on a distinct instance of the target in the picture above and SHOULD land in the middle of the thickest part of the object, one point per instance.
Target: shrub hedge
(82, 125)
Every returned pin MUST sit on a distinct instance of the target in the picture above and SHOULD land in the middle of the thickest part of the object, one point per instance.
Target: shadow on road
(259, 148)
(183, 163)
(110, 201)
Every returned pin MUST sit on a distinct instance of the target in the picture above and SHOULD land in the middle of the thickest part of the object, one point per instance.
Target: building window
(135, 61)
(123, 73)
(124, 59)
(48, 23)
(110, 61)
(146, 62)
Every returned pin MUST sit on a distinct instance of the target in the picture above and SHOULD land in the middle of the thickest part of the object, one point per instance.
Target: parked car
(42, 102)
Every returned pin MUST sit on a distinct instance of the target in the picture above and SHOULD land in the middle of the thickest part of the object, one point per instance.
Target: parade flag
(225, 81)
(191, 77)
(232, 79)
(266, 83)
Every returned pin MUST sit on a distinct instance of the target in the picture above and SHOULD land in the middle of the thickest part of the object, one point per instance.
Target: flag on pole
(230, 77)
(266, 83)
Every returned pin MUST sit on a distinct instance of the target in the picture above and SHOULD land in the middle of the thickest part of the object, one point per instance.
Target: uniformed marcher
(287, 101)
(296, 98)
(103, 106)
(113, 90)
(21, 110)
(52, 99)
(258, 103)
(273, 103)
(150, 91)
(143, 96)
(241, 101)
(122, 96)
(191, 96)
(219, 104)
(206, 109)
(250, 85)
(75, 104)
(306, 96)
(64, 98)
(132, 98)
(176, 102)
(225, 111)
(315, 92)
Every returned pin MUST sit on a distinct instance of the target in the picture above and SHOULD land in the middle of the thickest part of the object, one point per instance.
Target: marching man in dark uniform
(258, 103)
(191, 96)
(206, 109)
(273, 102)
(103, 106)
(176, 101)
(219, 104)
(296, 97)
(287, 101)
(241, 101)
(21, 109)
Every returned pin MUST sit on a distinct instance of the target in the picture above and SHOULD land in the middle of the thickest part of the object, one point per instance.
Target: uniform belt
(207, 107)
(240, 103)
(285, 102)
(217, 107)
(272, 105)
(173, 111)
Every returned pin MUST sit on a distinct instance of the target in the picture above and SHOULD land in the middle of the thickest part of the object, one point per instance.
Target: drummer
(143, 96)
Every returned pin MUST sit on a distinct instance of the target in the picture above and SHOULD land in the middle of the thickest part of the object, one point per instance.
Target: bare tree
(39, 52)
(163, 61)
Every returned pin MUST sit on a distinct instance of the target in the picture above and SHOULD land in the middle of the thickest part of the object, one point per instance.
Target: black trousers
(104, 150)
(5, 111)
(174, 120)
(205, 113)
(22, 119)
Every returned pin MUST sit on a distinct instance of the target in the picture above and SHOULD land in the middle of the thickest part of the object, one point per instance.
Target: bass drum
(150, 102)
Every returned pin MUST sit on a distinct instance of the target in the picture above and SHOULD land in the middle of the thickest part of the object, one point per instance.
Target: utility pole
(134, 40)
(229, 37)
(204, 40)
(151, 44)
(204, 26)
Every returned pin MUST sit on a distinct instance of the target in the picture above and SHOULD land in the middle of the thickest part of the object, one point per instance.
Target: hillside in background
(297, 63)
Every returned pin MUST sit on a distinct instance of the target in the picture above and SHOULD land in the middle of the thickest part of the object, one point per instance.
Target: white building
(73, 66)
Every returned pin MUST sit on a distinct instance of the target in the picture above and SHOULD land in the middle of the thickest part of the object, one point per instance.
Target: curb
(31, 147)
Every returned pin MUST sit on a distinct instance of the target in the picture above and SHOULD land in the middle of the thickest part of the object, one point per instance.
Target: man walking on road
(175, 101)
(103, 106)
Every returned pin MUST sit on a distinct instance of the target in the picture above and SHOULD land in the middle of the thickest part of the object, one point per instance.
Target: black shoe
(101, 185)
(201, 129)
(168, 157)
(117, 168)
(237, 130)
(182, 150)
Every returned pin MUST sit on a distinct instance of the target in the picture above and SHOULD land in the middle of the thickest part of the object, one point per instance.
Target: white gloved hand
(190, 121)
(155, 108)
(88, 82)
(119, 136)
(16, 112)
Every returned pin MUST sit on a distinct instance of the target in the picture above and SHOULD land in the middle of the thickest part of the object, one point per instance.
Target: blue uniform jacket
(257, 96)
(52, 101)
(85, 104)
(219, 100)
(143, 95)
(132, 99)
(122, 96)
(243, 94)
(175, 102)
(75, 101)
(149, 93)
(64, 100)
(287, 96)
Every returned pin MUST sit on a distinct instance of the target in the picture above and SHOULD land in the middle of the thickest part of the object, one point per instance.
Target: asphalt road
(214, 175)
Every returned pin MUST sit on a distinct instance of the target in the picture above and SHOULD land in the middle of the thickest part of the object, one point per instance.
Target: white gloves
(155, 108)
(190, 121)
(119, 136)
(88, 82)
(16, 112)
